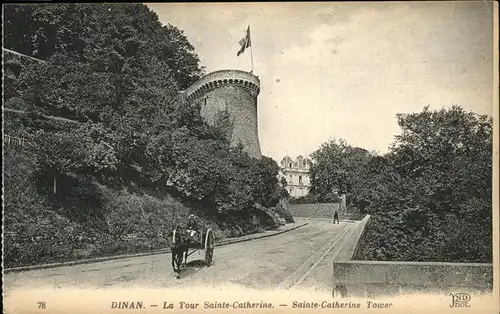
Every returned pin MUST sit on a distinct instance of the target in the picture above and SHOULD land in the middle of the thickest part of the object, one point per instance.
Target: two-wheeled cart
(201, 242)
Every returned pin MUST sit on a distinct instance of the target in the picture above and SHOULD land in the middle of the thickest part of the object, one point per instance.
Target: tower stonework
(234, 92)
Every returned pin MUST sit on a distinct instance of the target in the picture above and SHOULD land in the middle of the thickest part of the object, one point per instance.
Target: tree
(266, 187)
(436, 189)
(42, 30)
(337, 168)
(117, 76)
(180, 56)
(451, 150)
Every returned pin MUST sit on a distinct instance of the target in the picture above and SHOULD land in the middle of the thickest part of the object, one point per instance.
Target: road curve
(260, 264)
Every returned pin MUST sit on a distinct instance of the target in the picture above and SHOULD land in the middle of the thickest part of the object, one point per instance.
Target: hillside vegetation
(126, 158)
(430, 196)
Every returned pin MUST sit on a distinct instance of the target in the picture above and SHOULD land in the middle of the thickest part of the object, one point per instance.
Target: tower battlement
(221, 78)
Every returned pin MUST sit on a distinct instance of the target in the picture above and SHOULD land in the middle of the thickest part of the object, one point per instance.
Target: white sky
(345, 69)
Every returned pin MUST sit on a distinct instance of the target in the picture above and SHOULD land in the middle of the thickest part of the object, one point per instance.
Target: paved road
(263, 263)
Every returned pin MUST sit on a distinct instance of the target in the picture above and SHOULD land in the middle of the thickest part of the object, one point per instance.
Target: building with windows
(297, 175)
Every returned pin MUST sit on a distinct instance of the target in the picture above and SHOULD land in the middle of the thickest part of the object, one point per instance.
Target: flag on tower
(245, 42)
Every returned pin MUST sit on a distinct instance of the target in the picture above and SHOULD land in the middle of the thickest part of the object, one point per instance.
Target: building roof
(300, 162)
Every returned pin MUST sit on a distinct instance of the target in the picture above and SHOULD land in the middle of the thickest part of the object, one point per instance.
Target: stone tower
(234, 92)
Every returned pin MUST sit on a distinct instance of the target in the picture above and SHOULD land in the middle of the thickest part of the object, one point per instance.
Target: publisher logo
(460, 299)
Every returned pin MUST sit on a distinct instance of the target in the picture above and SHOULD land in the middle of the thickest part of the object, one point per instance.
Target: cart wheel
(209, 247)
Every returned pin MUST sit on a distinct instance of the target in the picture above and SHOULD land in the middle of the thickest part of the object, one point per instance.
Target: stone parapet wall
(350, 247)
(316, 210)
(322, 210)
(377, 278)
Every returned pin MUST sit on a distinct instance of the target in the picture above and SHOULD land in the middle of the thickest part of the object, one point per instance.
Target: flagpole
(251, 56)
(251, 47)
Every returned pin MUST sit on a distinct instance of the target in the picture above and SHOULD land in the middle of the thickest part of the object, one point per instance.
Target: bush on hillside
(141, 215)
(284, 210)
(33, 234)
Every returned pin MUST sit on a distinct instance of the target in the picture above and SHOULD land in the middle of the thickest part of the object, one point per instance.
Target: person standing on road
(336, 217)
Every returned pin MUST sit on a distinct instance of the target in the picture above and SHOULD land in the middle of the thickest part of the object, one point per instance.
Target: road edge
(310, 264)
(157, 252)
